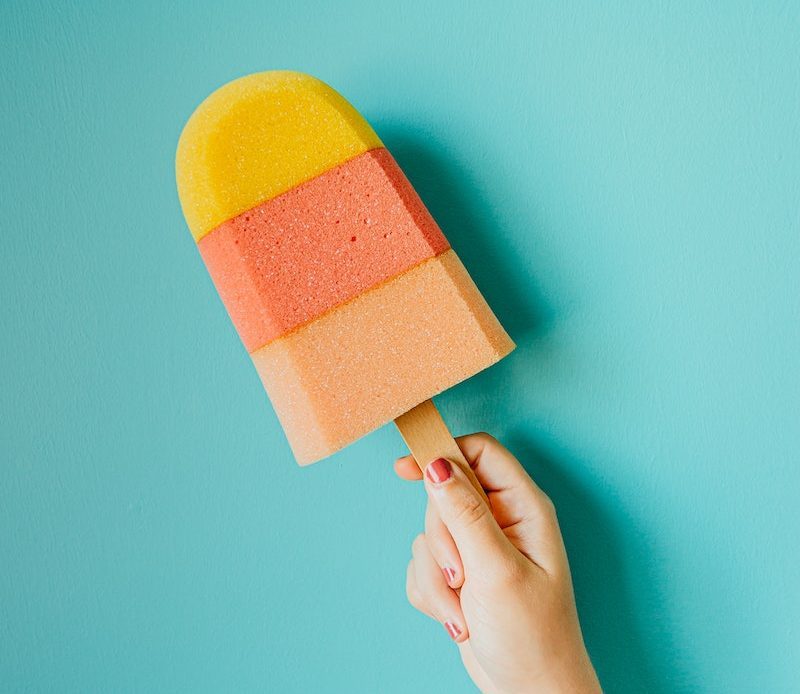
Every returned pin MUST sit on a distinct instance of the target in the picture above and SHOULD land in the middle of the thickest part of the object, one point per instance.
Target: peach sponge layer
(377, 356)
(259, 136)
(294, 257)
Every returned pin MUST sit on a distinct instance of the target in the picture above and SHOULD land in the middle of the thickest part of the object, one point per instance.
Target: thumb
(466, 514)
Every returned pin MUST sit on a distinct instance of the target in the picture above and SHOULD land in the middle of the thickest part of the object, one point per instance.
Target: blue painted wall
(623, 182)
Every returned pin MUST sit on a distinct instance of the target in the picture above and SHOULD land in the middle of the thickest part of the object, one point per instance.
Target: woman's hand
(498, 579)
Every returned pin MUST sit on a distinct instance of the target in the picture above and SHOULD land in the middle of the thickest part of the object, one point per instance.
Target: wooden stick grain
(428, 438)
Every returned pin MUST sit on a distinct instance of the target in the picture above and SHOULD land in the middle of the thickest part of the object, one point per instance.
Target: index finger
(407, 468)
(494, 465)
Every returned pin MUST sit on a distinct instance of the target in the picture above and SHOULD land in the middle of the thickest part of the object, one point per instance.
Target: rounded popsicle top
(260, 136)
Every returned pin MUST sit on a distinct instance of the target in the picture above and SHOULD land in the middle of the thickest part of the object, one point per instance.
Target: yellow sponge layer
(370, 360)
(259, 136)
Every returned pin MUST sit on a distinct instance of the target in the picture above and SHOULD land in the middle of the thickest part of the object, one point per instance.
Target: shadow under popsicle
(468, 222)
(467, 219)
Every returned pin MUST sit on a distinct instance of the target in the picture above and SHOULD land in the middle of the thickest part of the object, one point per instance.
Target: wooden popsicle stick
(428, 438)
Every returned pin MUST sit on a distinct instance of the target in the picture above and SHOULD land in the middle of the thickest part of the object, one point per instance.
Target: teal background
(623, 182)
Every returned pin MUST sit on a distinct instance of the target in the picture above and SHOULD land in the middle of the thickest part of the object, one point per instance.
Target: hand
(498, 579)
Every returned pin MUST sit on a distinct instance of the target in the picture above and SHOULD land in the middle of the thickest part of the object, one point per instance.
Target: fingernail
(449, 575)
(453, 630)
(439, 471)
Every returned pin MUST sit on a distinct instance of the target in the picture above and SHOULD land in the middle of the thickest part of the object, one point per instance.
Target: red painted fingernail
(439, 471)
(453, 630)
(449, 575)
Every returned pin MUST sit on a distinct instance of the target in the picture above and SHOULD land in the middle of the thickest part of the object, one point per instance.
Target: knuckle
(418, 543)
(486, 439)
(549, 512)
(436, 539)
(412, 593)
(414, 598)
(548, 506)
(509, 576)
(470, 512)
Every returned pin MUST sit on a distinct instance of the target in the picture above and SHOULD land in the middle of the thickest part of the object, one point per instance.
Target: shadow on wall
(469, 223)
(610, 626)
(594, 543)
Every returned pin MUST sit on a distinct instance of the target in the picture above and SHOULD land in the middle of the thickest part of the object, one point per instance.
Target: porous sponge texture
(372, 359)
(259, 136)
(296, 256)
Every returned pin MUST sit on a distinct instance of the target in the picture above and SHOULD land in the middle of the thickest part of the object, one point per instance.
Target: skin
(498, 578)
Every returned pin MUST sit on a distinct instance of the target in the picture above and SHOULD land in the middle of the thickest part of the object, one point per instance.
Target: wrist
(576, 677)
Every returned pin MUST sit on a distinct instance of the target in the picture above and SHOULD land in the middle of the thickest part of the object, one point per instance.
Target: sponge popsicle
(345, 292)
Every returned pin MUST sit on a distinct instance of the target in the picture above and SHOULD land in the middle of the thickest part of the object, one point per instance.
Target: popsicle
(343, 289)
